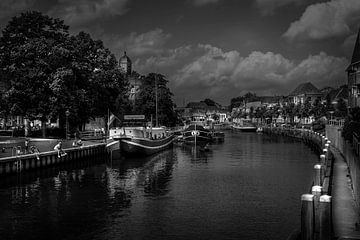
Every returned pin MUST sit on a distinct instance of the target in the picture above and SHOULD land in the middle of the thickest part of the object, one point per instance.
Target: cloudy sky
(218, 48)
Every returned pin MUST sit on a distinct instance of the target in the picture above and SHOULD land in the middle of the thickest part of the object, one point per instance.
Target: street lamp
(67, 114)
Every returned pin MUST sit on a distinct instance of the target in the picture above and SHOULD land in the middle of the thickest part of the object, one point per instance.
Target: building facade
(303, 92)
(353, 73)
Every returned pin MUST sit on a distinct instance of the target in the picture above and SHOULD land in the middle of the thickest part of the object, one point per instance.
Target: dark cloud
(267, 7)
(83, 12)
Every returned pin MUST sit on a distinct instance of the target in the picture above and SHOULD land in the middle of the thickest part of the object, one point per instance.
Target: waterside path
(342, 221)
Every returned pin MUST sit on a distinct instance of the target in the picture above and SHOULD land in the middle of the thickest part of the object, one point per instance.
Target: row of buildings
(217, 114)
(350, 93)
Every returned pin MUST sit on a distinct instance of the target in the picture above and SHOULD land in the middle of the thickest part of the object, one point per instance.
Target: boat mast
(195, 135)
(156, 101)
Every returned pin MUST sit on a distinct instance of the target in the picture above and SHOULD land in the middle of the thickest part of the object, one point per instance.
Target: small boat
(145, 141)
(196, 134)
(244, 125)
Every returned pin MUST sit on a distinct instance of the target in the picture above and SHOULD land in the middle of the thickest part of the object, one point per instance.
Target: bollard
(316, 191)
(307, 217)
(325, 152)
(322, 159)
(325, 217)
(327, 145)
(317, 176)
(328, 142)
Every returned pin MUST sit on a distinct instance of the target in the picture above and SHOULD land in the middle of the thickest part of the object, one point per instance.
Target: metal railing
(336, 122)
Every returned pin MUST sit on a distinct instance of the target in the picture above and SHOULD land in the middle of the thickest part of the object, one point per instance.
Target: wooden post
(325, 217)
(325, 152)
(317, 175)
(307, 217)
(322, 159)
(316, 191)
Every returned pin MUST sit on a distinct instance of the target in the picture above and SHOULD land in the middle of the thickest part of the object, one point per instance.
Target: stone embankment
(21, 163)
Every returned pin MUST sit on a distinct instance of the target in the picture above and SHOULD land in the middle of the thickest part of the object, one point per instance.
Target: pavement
(44, 145)
(345, 210)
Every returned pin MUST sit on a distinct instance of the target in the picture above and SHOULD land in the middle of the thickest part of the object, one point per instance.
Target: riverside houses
(204, 114)
(353, 72)
(303, 92)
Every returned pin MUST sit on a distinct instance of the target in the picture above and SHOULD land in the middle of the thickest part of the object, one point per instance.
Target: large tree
(46, 71)
(145, 102)
(31, 49)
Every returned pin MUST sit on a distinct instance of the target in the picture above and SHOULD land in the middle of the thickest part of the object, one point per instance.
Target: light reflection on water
(246, 188)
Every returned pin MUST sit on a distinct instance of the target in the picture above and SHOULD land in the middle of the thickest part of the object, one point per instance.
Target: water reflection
(246, 188)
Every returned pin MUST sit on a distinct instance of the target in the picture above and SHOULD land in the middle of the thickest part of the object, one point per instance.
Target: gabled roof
(305, 88)
(356, 53)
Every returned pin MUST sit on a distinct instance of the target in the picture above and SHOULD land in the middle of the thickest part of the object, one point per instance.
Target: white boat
(244, 125)
(137, 139)
(145, 141)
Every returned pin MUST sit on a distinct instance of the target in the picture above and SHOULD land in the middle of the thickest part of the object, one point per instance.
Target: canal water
(248, 187)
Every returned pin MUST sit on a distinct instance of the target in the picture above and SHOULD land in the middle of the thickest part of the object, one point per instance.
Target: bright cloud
(324, 20)
(77, 13)
(224, 73)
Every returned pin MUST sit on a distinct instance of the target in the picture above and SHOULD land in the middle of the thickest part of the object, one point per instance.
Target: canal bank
(346, 195)
(20, 163)
(339, 218)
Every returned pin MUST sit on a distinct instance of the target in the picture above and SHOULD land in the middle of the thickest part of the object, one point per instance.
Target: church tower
(125, 64)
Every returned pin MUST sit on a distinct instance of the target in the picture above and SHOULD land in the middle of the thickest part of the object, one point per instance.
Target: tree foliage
(145, 102)
(238, 101)
(45, 71)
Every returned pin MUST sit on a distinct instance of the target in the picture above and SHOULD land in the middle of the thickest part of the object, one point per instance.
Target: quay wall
(351, 154)
(21, 163)
(316, 206)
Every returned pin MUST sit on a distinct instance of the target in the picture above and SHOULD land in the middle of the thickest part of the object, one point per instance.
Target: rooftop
(305, 88)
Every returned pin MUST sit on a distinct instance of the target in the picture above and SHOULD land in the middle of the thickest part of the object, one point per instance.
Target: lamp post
(67, 114)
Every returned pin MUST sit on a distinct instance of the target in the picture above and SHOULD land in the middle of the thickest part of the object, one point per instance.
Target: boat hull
(245, 129)
(197, 139)
(196, 134)
(144, 146)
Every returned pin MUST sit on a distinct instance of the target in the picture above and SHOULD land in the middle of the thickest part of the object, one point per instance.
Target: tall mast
(156, 101)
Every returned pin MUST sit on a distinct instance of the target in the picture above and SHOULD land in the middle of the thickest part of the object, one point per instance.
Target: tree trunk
(43, 128)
